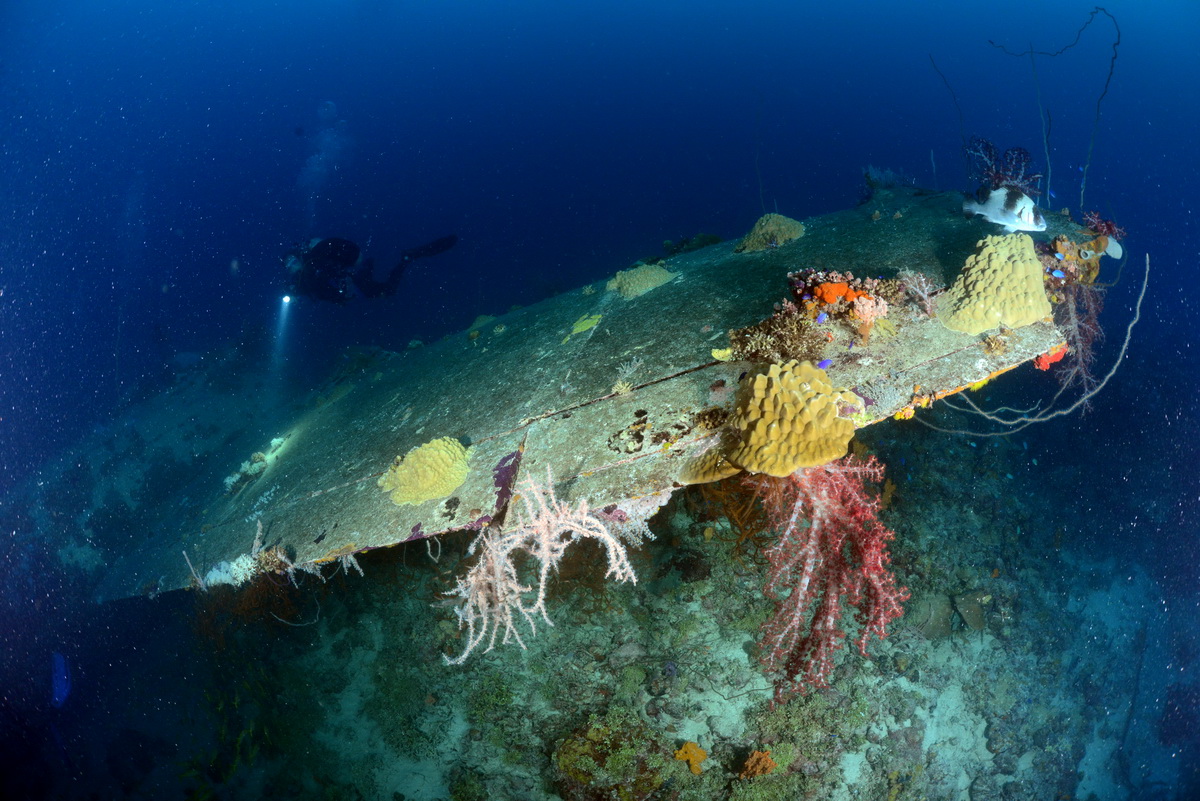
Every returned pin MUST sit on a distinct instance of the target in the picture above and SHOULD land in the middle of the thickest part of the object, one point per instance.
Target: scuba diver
(331, 269)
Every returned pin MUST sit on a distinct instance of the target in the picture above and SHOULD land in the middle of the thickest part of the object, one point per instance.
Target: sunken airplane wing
(200, 466)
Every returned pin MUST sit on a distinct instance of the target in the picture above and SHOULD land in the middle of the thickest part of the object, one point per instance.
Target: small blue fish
(1059, 274)
(822, 318)
(824, 364)
(1058, 256)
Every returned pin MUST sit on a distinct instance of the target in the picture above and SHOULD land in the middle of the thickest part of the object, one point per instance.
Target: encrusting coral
(427, 472)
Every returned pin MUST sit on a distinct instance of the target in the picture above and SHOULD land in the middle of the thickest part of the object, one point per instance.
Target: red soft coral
(839, 557)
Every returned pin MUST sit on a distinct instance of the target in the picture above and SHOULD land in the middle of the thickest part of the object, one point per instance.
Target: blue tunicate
(824, 363)
(822, 317)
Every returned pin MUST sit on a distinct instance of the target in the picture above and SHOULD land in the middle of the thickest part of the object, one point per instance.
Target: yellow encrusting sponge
(427, 472)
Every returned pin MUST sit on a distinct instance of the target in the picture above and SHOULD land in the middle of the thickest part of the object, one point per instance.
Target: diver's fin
(430, 248)
(393, 280)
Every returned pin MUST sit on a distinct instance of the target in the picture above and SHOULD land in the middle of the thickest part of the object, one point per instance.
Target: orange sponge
(1051, 356)
(692, 754)
(759, 763)
(832, 292)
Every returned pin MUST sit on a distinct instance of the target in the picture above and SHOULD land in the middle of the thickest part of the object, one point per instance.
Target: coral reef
(1069, 262)
(788, 334)
(857, 301)
(614, 758)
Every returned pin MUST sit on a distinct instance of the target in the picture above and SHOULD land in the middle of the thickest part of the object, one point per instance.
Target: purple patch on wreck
(504, 476)
(613, 514)
(479, 524)
(866, 401)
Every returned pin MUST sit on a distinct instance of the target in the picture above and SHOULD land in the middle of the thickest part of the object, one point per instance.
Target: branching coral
(787, 334)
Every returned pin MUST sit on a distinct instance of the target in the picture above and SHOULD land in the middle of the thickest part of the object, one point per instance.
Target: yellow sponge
(786, 421)
(429, 471)
(709, 466)
(1001, 284)
(771, 231)
(790, 420)
(639, 280)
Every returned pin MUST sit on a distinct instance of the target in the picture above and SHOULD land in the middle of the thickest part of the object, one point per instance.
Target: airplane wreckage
(621, 391)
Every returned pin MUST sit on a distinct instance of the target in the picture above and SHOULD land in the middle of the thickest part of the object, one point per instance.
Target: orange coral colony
(692, 754)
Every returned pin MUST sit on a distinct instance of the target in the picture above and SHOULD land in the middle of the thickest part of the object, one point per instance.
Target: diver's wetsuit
(331, 269)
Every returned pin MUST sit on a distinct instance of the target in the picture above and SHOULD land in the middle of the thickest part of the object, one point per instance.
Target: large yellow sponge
(639, 280)
(429, 471)
(1001, 284)
(787, 420)
(771, 231)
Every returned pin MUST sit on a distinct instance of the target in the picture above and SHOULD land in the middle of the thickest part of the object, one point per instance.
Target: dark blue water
(158, 159)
